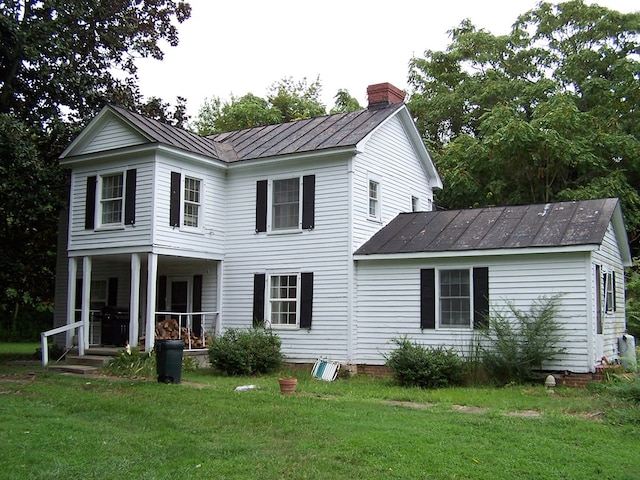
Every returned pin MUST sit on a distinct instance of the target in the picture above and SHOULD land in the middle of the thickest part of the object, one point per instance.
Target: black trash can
(169, 360)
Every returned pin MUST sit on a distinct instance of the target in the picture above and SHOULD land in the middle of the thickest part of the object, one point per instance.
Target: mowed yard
(55, 426)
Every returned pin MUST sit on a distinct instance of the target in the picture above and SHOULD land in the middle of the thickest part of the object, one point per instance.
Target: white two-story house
(273, 226)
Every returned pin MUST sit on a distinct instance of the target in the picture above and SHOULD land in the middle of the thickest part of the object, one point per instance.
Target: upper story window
(192, 187)
(111, 198)
(415, 204)
(285, 204)
(185, 206)
(375, 207)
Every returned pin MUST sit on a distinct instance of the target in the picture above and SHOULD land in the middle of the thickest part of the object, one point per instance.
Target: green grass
(57, 426)
(17, 351)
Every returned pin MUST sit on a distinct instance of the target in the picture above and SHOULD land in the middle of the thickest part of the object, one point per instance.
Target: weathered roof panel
(582, 222)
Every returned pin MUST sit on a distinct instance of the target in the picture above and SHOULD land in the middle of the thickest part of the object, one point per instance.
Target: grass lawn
(59, 426)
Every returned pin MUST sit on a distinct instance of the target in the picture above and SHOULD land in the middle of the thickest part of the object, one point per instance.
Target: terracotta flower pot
(287, 385)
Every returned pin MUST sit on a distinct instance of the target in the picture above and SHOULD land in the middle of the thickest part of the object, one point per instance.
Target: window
(191, 202)
(415, 204)
(283, 299)
(455, 298)
(285, 205)
(609, 283)
(98, 294)
(185, 205)
(111, 198)
(374, 199)
(285, 201)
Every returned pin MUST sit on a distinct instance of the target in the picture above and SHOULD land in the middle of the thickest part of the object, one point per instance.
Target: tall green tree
(286, 100)
(546, 112)
(60, 62)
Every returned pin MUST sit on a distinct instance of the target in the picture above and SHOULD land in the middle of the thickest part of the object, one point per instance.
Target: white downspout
(351, 323)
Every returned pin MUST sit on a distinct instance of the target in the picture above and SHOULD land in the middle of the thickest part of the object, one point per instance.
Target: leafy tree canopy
(60, 62)
(286, 101)
(547, 112)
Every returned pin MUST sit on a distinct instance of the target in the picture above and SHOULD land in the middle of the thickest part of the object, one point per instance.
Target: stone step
(91, 360)
(75, 369)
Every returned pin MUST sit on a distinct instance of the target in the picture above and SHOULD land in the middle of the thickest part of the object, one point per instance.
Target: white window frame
(608, 292)
(271, 206)
(415, 203)
(271, 301)
(439, 297)
(102, 201)
(185, 176)
(376, 214)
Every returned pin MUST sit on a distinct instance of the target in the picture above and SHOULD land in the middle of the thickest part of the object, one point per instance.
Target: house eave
(314, 154)
(476, 253)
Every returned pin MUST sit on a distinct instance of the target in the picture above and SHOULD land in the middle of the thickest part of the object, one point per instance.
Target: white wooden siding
(324, 251)
(126, 237)
(209, 239)
(388, 301)
(114, 134)
(614, 323)
(391, 157)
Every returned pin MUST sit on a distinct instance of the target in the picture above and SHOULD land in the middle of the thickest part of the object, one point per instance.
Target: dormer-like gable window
(111, 198)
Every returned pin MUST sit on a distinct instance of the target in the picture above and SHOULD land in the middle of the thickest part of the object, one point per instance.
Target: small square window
(415, 204)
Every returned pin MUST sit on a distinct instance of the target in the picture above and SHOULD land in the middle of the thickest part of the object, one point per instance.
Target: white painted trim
(71, 298)
(134, 301)
(152, 278)
(86, 299)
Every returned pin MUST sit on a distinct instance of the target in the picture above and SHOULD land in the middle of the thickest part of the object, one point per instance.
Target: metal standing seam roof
(319, 133)
(576, 223)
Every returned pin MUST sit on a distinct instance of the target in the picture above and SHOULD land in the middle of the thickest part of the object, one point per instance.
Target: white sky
(244, 46)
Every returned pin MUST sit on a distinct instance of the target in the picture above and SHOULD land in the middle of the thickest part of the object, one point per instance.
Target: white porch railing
(208, 325)
(55, 331)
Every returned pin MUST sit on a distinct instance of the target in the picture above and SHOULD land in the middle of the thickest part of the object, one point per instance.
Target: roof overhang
(312, 155)
(477, 253)
(617, 221)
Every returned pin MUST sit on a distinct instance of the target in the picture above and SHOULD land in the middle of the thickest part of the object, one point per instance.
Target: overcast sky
(244, 46)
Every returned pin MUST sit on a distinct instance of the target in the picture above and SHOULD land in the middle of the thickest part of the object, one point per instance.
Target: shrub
(517, 344)
(135, 364)
(246, 352)
(425, 367)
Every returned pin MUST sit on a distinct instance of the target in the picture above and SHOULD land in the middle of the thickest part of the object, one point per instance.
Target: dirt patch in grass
(398, 403)
(525, 414)
(469, 409)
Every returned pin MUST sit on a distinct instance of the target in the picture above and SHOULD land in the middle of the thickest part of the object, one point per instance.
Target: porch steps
(88, 364)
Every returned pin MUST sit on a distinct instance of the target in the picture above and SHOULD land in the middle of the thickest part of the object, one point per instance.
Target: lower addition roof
(562, 224)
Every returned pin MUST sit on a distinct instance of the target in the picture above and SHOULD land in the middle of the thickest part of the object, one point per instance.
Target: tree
(60, 62)
(286, 101)
(546, 112)
(345, 102)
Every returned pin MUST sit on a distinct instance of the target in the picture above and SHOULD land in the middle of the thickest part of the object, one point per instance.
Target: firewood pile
(171, 330)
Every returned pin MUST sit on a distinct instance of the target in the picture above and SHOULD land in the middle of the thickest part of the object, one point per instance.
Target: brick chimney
(382, 95)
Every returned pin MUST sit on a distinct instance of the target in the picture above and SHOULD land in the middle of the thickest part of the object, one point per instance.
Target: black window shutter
(161, 300)
(174, 208)
(308, 201)
(197, 304)
(306, 299)
(90, 204)
(427, 298)
(480, 297)
(130, 198)
(259, 280)
(112, 292)
(261, 206)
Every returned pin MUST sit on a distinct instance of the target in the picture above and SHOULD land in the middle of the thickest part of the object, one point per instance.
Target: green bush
(515, 345)
(414, 365)
(139, 364)
(246, 352)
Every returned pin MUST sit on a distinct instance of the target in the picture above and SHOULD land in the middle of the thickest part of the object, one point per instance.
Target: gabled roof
(302, 136)
(313, 134)
(564, 224)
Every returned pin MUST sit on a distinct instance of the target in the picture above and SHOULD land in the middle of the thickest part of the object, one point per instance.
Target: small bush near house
(517, 343)
(414, 365)
(246, 352)
(139, 364)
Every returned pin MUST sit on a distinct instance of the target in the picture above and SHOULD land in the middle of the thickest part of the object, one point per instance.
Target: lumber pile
(170, 330)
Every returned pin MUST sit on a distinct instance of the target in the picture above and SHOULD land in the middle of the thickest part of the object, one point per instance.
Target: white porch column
(152, 274)
(86, 299)
(218, 320)
(71, 298)
(134, 301)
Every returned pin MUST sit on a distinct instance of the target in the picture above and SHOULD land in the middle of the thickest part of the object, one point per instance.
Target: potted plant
(288, 384)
